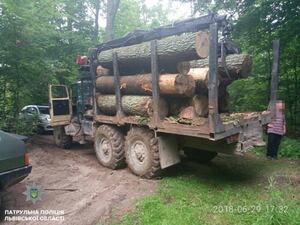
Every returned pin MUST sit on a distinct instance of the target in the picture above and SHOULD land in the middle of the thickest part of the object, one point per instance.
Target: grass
(289, 148)
(229, 190)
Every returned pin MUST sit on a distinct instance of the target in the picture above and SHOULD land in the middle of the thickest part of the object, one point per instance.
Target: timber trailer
(151, 145)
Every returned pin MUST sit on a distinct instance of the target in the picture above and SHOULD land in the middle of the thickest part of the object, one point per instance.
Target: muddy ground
(73, 181)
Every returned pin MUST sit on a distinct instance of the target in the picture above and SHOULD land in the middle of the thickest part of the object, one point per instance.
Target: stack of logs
(184, 72)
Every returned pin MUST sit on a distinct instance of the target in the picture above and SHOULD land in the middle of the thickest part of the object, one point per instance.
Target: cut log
(188, 113)
(171, 50)
(132, 105)
(176, 105)
(183, 67)
(200, 76)
(169, 84)
(200, 103)
(101, 71)
(238, 65)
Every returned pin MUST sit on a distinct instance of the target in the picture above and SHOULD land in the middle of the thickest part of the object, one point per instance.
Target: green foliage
(22, 126)
(134, 14)
(289, 148)
(256, 23)
(39, 43)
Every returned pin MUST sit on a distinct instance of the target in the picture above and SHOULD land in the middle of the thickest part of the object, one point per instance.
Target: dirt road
(74, 181)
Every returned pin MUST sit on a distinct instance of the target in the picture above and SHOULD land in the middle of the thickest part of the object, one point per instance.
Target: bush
(290, 148)
(20, 125)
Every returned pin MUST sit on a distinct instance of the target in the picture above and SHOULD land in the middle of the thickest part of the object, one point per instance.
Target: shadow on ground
(226, 169)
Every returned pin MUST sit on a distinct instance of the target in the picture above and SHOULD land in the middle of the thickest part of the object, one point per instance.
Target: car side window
(31, 110)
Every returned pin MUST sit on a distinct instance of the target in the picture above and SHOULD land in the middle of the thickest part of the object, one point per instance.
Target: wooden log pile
(183, 80)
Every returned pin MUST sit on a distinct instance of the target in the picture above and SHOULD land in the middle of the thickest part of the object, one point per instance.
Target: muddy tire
(109, 147)
(199, 156)
(142, 153)
(61, 139)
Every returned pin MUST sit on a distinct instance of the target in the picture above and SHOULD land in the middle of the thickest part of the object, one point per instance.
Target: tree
(112, 8)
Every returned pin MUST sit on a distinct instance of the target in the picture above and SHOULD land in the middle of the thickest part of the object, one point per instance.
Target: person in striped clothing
(276, 129)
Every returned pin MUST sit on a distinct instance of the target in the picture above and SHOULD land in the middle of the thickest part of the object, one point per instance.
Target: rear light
(26, 159)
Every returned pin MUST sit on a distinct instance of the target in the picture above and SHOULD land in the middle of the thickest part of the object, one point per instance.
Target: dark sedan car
(14, 160)
(14, 164)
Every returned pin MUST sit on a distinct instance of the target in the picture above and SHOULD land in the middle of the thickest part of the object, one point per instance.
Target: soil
(73, 181)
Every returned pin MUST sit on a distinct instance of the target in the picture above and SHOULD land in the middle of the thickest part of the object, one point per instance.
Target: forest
(41, 39)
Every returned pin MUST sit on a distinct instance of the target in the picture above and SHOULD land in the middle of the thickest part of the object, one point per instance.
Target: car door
(60, 105)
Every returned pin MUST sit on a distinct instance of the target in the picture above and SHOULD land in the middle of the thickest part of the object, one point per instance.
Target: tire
(142, 152)
(109, 147)
(3, 204)
(200, 156)
(61, 139)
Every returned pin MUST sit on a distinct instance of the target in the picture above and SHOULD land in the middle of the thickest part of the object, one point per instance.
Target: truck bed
(233, 123)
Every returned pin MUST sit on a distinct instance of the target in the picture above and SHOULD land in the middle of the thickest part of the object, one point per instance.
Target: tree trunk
(112, 8)
(238, 66)
(169, 84)
(171, 50)
(132, 105)
(96, 28)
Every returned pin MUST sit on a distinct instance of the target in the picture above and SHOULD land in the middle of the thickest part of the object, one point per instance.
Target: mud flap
(251, 136)
(168, 151)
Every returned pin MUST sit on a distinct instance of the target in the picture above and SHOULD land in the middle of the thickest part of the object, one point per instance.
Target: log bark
(200, 103)
(188, 113)
(183, 67)
(238, 66)
(171, 50)
(169, 84)
(132, 105)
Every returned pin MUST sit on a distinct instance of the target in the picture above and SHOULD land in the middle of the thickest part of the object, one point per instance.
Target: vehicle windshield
(44, 110)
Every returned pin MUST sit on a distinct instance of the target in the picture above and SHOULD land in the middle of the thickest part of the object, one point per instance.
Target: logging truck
(149, 97)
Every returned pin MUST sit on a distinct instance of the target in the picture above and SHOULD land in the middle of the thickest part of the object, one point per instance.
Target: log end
(101, 71)
(188, 113)
(202, 44)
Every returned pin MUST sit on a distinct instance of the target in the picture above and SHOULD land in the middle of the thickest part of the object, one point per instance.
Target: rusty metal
(117, 87)
(155, 83)
(215, 124)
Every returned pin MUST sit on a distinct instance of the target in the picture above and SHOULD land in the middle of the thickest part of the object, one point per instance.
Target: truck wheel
(109, 147)
(142, 153)
(200, 156)
(61, 139)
